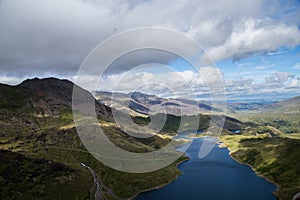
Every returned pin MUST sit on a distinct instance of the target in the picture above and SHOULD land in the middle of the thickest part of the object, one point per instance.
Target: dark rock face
(49, 94)
(46, 96)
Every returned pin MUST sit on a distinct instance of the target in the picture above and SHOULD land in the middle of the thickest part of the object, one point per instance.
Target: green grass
(23, 177)
(174, 124)
(284, 122)
(55, 140)
(276, 158)
(12, 97)
(123, 184)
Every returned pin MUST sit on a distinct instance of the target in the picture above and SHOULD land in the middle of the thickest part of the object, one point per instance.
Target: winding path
(100, 187)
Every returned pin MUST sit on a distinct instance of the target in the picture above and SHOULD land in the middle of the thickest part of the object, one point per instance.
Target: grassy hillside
(41, 151)
(200, 123)
(284, 116)
(276, 158)
(272, 145)
(24, 177)
(289, 106)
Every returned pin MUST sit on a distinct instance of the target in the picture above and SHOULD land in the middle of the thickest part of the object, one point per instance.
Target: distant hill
(152, 104)
(289, 106)
(283, 115)
(273, 148)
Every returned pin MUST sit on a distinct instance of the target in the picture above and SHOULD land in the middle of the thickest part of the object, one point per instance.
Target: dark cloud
(53, 37)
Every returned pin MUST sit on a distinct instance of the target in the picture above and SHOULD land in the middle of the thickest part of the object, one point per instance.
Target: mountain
(137, 102)
(283, 115)
(42, 154)
(43, 96)
(289, 106)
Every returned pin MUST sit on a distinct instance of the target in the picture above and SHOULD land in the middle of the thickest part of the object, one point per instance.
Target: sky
(254, 44)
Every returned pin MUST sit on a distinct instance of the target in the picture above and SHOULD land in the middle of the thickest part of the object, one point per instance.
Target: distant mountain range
(138, 102)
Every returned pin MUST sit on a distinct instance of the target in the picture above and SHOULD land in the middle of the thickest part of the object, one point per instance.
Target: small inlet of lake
(217, 176)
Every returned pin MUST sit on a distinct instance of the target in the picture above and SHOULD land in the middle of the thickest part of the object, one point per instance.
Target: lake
(217, 176)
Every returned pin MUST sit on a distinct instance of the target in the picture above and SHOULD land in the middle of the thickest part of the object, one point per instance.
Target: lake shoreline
(165, 184)
(222, 145)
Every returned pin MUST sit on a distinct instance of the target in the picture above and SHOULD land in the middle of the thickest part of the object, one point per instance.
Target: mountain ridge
(150, 104)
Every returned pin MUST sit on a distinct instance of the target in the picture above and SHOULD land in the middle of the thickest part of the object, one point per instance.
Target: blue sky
(281, 66)
(258, 66)
(254, 66)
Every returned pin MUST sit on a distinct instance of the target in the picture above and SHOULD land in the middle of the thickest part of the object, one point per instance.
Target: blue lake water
(217, 176)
